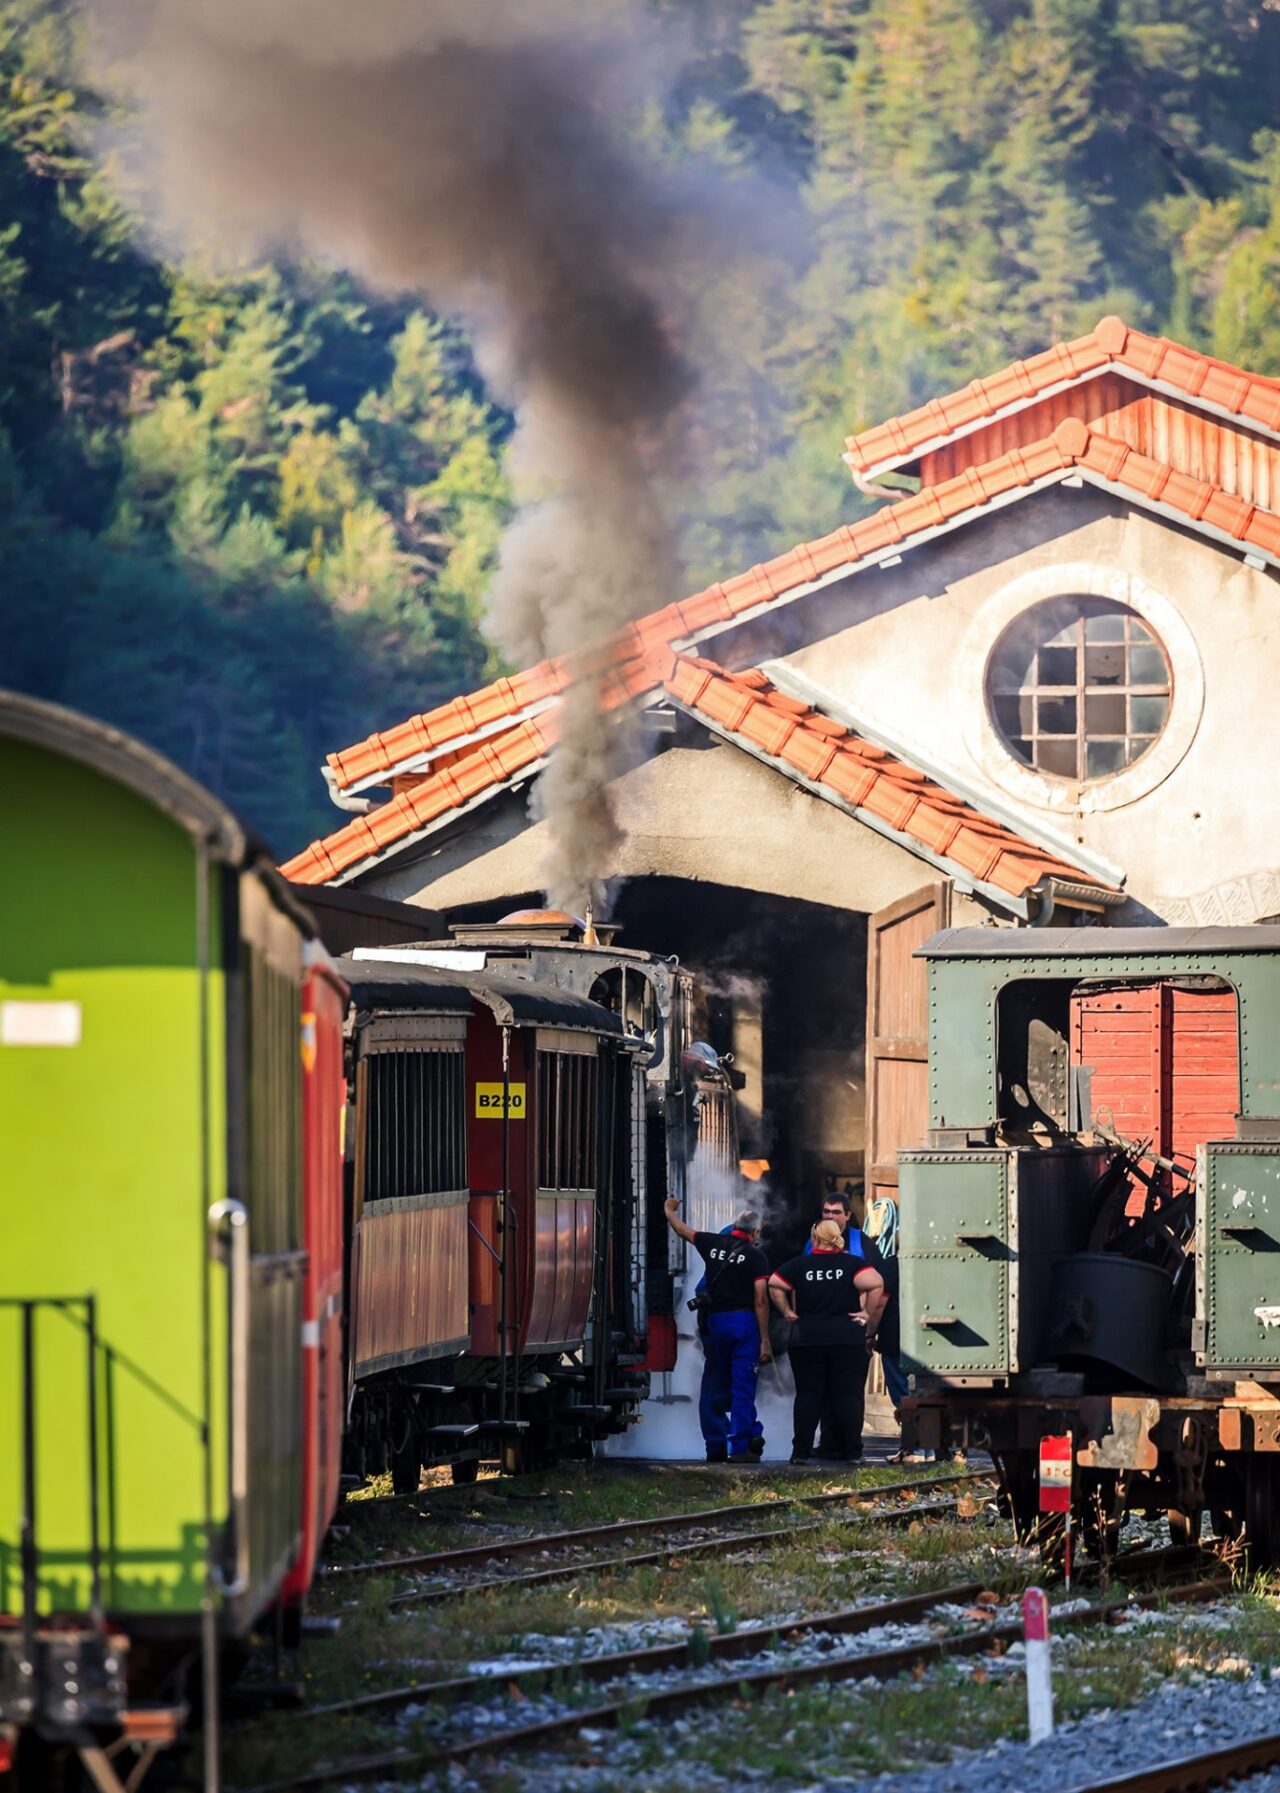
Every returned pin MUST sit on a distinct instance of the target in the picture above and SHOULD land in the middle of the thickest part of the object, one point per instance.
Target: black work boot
(717, 1453)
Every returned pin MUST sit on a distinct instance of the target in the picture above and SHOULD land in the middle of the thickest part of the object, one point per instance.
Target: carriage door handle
(1239, 1229)
(939, 1320)
(228, 1222)
(977, 1240)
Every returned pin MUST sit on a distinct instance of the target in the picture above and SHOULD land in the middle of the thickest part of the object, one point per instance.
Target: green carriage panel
(955, 1263)
(1240, 1259)
(105, 1128)
(150, 1092)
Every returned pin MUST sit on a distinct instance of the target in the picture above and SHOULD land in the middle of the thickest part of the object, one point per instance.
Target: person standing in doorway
(736, 1340)
(836, 1209)
(830, 1296)
(880, 1231)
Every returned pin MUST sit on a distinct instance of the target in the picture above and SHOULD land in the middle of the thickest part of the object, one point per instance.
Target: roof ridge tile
(1254, 398)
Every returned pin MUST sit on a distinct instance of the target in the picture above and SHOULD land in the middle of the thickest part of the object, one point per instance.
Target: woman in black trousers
(827, 1294)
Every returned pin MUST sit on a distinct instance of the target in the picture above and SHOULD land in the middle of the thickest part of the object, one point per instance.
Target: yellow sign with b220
(489, 1101)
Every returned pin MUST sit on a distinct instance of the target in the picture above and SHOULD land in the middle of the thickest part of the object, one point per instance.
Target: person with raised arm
(736, 1340)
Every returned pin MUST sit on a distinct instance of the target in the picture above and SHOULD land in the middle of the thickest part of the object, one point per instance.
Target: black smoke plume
(481, 153)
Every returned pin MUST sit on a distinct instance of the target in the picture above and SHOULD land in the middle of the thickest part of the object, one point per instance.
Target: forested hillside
(251, 519)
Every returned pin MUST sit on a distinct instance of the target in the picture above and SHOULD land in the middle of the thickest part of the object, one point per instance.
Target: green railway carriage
(1091, 1231)
(150, 1255)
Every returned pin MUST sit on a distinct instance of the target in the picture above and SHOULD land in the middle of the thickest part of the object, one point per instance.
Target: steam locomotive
(1090, 1236)
(272, 1216)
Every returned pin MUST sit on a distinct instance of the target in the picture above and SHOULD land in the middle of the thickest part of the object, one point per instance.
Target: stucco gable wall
(1196, 822)
(713, 815)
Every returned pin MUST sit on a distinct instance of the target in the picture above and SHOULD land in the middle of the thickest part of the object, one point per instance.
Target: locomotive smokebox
(1111, 1313)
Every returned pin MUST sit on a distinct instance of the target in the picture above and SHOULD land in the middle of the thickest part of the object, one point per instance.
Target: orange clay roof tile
(1253, 398)
(865, 776)
(1071, 444)
(650, 641)
(748, 707)
(1196, 499)
(451, 783)
(641, 657)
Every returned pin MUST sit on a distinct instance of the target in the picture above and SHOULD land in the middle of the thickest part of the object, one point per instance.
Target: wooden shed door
(897, 1031)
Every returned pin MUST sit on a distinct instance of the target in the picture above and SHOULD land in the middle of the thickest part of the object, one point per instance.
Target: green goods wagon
(150, 1266)
(1090, 1232)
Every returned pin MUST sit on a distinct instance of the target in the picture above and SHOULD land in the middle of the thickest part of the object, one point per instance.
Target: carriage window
(568, 1120)
(415, 1125)
(1079, 688)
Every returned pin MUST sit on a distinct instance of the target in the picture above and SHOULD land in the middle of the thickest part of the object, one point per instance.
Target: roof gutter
(354, 806)
(903, 486)
(1053, 893)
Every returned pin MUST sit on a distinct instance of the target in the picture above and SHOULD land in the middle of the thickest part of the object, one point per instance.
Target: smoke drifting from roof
(474, 152)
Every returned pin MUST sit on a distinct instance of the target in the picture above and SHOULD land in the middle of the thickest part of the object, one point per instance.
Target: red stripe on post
(1055, 1473)
(1035, 1616)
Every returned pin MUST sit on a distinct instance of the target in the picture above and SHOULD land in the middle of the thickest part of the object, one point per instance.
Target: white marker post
(1035, 1630)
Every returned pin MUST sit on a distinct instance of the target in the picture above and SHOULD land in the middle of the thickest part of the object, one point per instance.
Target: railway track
(727, 1646)
(1198, 1774)
(502, 1491)
(449, 1562)
(721, 1545)
(505, 1548)
(663, 1701)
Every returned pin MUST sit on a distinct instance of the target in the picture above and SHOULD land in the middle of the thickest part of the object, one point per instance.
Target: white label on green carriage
(39, 1023)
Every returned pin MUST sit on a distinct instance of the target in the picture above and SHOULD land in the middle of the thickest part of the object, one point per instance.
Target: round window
(1079, 688)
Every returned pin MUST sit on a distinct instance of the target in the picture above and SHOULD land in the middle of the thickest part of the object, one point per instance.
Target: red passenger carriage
(324, 1001)
(491, 1218)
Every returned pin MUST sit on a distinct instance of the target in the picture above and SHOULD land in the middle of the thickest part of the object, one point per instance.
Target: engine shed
(1010, 696)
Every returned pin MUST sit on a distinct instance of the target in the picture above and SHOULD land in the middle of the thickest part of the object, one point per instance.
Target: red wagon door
(566, 1175)
(1163, 1061)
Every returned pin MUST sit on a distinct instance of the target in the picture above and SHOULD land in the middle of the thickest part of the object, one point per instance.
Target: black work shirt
(734, 1267)
(824, 1294)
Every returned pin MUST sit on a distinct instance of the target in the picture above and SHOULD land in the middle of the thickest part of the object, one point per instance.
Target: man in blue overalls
(737, 1335)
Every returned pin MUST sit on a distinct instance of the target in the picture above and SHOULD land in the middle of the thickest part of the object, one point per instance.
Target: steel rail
(435, 1501)
(643, 1559)
(1197, 1774)
(743, 1642)
(620, 1528)
(880, 1664)
(747, 1641)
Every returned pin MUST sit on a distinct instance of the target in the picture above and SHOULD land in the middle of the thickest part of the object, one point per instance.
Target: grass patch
(847, 1558)
(842, 1562)
(574, 1495)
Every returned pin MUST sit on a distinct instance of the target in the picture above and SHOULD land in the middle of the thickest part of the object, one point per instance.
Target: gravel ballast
(1183, 1717)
